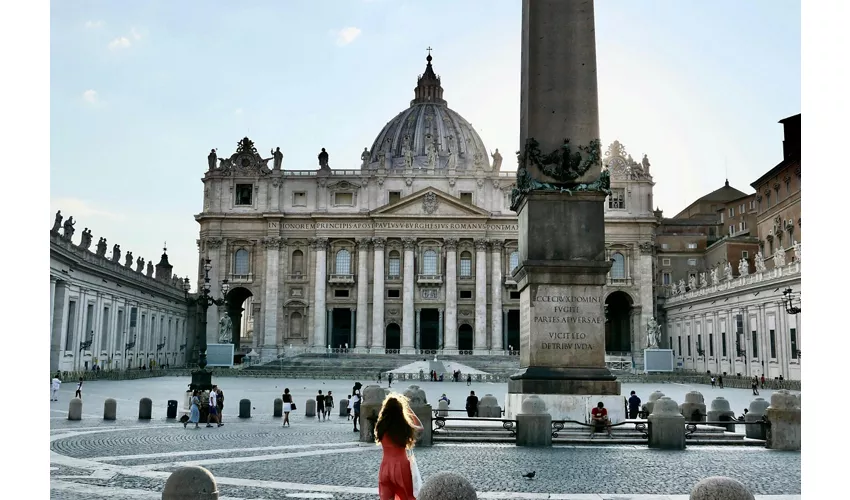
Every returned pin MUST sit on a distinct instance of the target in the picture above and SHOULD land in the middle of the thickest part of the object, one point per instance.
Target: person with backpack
(329, 404)
(356, 407)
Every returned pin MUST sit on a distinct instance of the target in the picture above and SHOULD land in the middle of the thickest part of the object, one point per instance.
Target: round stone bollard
(489, 407)
(443, 408)
(447, 486)
(693, 409)
(756, 411)
(195, 483)
(278, 407)
(310, 408)
(145, 408)
(370, 406)
(667, 426)
(720, 487)
(420, 407)
(343, 407)
(534, 425)
(110, 408)
(650, 402)
(75, 409)
(720, 411)
(784, 416)
(244, 408)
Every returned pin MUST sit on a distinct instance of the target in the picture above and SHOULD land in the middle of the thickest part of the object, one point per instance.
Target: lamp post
(788, 301)
(158, 349)
(201, 378)
(127, 347)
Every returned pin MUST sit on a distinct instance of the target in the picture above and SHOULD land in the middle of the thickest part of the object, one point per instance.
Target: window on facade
(393, 293)
(119, 330)
(772, 344)
(731, 211)
(514, 261)
(514, 295)
(665, 262)
(692, 246)
(793, 332)
(89, 333)
(689, 346)
(395, 264)
(343, 262)
(341, 293)
(104, 329)
(299, 199)
(745, 254)
(72, 321)
(767, 199)
(665, 278)
(243, 194)
(466, 198)
(429, 262)
(618, 266)
(755, 345)
(665, 246)
(617, 199)
(699, 342)
(466, 294)
(394, 196)
(692, 262)
(732, 229)
(722, 218)
(680, 345)
(711, 345)
(770, 245)
(465, 265)
(723, 344)
(295, 325)
(240, 262)
(298, 262)
(134, 314)
(344, 199)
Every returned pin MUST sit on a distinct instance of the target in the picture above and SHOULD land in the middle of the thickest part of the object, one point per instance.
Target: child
(350, 406)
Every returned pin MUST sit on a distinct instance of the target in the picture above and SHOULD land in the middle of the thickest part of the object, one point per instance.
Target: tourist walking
(390, 379)
(194, 411)
(287, 406)
(634, 405)
(79, 392)
(379, 378)
(54, 388)
(469, 380)
(320, 405)
(713, 381)
(329, 405)
(212, 408)
(762, 380)
(755, 385)
(396, 432)
(355, 405)
(219, 400)
(472, 405)
(720, 381)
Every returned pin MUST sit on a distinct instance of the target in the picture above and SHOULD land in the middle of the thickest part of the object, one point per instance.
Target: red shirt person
(599, 418)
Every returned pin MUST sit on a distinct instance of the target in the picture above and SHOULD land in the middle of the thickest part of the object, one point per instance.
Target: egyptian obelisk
(559, 200)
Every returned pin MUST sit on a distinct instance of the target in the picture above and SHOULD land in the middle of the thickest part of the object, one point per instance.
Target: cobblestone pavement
(259, 459)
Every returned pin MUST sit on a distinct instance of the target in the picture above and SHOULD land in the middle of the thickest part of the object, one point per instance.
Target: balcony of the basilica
(341, 279)
(429, 279)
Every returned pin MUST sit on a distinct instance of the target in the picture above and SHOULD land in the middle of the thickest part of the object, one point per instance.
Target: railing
(440, 423)
(341, 278)
(429, 279)
(559, 425)
(691, 427)
(620, 281)
(241, 278)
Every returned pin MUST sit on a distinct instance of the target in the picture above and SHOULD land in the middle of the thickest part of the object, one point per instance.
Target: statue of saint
(225, 329)
(645, 164)
(382, 159)
(682, 288)
(779, 257)
(140, 264)
(692, 282)
(128, 260)
(797, 251)
(68, 228)
(101, 247)
(432, 155)
(211, 158)
(760, 267)
(149, 270)
(743, 268)
(116, 252)
(715, 279)
(728, 271)
(57, 223)
(652, 331)
(225, 163)
(702, 280)
(364, 158)
(407, 153)
(85, 239)
(278, 158)
(497, 160)
(452, 164)
(323, 159)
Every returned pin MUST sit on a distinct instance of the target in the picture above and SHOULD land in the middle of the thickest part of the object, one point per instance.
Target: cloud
(121, 42)
(80, 209)
(90, 96)
(94, 24)
(238, 111)
(346, 35)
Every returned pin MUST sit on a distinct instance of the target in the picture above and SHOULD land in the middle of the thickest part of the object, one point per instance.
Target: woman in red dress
(396, 432)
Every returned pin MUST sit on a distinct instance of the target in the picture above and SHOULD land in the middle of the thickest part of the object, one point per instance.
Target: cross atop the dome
(429, 49)
(164, 246)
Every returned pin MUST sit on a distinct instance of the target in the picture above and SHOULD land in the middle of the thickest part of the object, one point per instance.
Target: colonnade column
(480, 294)
(320, 246)
(407, 321)
(450, 244)
(52, 295)
(440, 330)
(362, 328)
(378, 293)
(496, 301)
(270, 301)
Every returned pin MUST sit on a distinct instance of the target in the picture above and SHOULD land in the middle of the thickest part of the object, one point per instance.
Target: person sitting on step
(599, 419)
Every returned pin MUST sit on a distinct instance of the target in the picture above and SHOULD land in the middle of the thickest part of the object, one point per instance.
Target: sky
(141, 91)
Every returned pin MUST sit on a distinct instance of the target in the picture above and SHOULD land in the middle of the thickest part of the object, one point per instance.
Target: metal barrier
(437, 410)
(559, 425)
(691, 427)
(508, 425)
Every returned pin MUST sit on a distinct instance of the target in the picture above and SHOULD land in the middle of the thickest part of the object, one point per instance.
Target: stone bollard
(447, 486)
(756, 411)
(343, 407)
(110, 407)
(419, 405)
(489, 407)
(310, 408)
(784, 416)
(192, 482)
(693, 409)
(534, 425)
(650, 402)
(720, 410)
(719, 487)
(370, 406)
(145, 408)
(244, 408)
(278, 408)
(666, 426)
(443, 408)
(75, 409)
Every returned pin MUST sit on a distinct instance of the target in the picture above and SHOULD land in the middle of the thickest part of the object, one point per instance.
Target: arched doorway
(618, 330)
(234, 306)
(464, 338)
(393, 339)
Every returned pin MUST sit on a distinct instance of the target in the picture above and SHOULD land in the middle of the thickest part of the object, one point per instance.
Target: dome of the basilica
(428, 134)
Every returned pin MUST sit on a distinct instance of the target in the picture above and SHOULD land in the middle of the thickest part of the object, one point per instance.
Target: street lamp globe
(186, 285)
(207, 265)
(225, 287)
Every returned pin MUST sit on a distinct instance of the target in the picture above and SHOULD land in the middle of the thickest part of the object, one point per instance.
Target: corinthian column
(362, 292)
(269, 348)
(407, 319)
(496, 299)
(480, 294)
(378, 293)
(450, 244)
(320, 246)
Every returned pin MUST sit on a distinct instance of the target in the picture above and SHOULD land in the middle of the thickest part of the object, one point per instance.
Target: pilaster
(496, 296)
(319, 246)
(378, 293)
(480, 294)
(407, 320)
(268, 352)
(362, 328)
(450, 244)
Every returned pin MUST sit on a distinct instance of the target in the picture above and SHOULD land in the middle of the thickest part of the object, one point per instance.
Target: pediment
(430, 202)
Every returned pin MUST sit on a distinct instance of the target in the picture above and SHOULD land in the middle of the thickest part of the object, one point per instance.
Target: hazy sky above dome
(141, 91)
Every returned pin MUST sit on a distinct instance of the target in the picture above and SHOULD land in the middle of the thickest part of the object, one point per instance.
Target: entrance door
(341, 333)
(618, 324)
(464, 338)
(513, 329)
(393, 340)
(429, 329)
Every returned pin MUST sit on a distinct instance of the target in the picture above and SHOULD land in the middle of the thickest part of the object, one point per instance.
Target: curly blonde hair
(394, 422)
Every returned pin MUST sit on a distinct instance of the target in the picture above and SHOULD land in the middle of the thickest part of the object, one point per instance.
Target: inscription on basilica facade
(369, 225)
